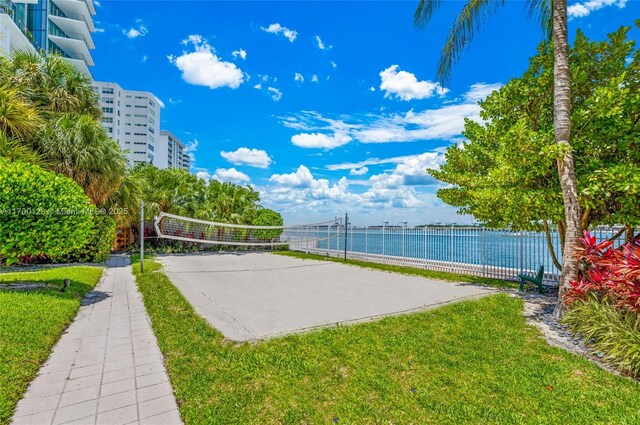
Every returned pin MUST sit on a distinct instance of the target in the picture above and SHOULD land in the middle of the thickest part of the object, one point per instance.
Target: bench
(536, 280)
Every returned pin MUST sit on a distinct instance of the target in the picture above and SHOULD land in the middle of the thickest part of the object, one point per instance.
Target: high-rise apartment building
(62, 27)
(186, 161)
(14, 34)
(171, 152)
(132, 118)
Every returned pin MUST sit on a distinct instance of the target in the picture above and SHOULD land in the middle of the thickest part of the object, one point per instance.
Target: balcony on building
(15, 34)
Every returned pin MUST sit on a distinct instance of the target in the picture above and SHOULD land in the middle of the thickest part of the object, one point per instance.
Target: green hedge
(613, 331)
(267, 217)
(99, 243)
(41, 213)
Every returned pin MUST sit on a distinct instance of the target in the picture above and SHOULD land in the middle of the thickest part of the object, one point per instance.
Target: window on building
(106, 110)
(107, 91)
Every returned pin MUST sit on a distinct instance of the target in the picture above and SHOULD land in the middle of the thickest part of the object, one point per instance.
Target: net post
(141, 236)
(346, 226)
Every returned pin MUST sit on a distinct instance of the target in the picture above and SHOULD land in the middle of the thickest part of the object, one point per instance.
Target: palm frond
(466, 25)
(540, 10)
(424, 12)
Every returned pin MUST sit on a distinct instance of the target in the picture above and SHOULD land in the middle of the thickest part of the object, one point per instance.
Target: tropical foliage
(505, 173)
(42, 213)
(611, 274)
(553, 19)
(267, 217)
(99, 242)
(49, 115)
(612, 331)
(604, 303)
(179, 192)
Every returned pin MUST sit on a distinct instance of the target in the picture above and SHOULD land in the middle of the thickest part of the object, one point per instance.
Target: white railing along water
(472, 250)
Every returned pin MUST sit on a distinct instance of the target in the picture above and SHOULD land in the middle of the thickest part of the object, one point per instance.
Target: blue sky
(325, 107)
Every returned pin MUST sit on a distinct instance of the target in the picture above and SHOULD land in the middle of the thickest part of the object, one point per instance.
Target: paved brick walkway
(107, 368)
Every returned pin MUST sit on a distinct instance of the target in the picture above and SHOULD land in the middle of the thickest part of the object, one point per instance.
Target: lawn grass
(31, 322)
(470, 362)
(412, 271)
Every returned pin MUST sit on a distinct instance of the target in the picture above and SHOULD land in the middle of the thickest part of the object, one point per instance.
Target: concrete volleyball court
(260, 295)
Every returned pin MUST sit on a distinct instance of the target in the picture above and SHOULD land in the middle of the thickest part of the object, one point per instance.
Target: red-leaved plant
(608, 273)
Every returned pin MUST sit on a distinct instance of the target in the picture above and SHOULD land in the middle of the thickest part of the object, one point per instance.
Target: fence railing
(472, 250)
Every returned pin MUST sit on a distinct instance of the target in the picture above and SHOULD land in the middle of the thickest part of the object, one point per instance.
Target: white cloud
(252, 157)
(359, 171)
(412, 171)
(580, 10)
(372, 89)
(258, 86)
(298, 78)
(370, 161)
(300, 178)
(138, 30)
(300, 191)
(203, 67)
(241, 53)
(144, 58)
(334, 65)
(443, 122)
(440, 123)
(231, 175)
(279, 29)
(405, 86)
(479, 91)
(321, 44)
(314, 78)
(276, 94)
(320, 140)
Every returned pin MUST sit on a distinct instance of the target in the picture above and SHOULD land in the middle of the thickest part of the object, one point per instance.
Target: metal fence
(473, 250)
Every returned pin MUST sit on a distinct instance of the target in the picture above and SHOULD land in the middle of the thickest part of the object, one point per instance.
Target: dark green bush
(267, 217)
(99, 243)
(613, 331)
(41, 213)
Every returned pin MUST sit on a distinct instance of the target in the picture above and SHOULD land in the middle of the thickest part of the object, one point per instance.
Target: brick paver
(107, 368)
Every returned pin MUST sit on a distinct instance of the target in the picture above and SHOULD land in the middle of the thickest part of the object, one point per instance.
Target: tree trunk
(552, 251)
(562, 128)
(629, 234)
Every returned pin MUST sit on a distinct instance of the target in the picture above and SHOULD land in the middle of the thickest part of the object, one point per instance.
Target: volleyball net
(186, 229)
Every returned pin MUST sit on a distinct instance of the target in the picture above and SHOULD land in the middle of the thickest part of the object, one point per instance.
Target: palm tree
(51, 84)
(78, 147)
(18, 118)
(554, 22)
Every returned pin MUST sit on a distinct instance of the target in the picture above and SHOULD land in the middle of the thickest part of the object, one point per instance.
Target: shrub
(609, 329)
(267, 217)
(42, 213)
(99, 243)
(612, 274)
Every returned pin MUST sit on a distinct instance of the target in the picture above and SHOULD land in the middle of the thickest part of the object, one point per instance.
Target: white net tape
(170, 226)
